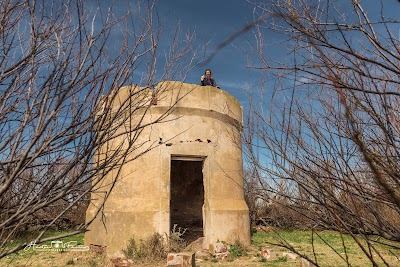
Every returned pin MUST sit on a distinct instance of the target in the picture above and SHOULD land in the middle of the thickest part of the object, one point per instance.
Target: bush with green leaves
(156, 247)
(237, 250)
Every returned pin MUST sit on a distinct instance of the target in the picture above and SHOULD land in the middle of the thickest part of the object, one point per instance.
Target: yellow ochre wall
(205, 123)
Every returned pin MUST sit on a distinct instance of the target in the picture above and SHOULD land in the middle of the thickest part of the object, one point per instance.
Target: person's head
(208, 73)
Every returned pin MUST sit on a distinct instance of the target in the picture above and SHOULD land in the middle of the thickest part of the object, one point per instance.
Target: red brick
(181, 259)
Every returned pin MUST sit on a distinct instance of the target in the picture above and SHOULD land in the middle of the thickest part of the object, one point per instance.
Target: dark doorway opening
(187, 196)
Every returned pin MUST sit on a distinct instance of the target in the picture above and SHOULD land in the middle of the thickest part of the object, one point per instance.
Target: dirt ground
(301, 240)
(91, 259)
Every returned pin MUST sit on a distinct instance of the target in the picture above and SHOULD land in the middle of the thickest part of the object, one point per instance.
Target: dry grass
(301, 240)
(330, 248)
(56, 259)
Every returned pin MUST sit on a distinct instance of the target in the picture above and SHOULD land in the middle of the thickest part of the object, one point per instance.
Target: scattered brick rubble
(220, 251)
(217, 250)
(181, 259)
(98, 248)
(121, 262)
(305, 263)
(269, 254)
(291, 256)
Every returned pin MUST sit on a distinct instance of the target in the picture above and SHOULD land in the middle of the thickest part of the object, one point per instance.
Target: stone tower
(191, 178)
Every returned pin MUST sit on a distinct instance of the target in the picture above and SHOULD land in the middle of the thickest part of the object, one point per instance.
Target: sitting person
(208, 79)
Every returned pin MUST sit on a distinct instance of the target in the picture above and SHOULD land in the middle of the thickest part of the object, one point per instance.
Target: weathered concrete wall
(205, 123)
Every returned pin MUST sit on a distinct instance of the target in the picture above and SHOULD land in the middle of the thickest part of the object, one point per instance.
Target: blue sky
(214, 21)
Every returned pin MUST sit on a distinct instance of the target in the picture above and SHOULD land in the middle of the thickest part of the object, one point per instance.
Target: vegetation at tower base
(56, 71)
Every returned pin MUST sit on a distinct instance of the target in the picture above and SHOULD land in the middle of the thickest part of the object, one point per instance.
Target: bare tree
(61, 65)
(327, 142)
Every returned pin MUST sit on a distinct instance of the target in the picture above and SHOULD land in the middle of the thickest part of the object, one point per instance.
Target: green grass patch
(29, 237)
(38, 258)
(330, 248)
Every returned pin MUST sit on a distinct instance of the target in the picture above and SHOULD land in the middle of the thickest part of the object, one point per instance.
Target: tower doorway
(187, 196)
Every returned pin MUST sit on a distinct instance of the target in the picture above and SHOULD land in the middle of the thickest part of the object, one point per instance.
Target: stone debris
(99, 249)
(269, 254)
(305, 263)
(291, 256)
(121, 262)
(201, 254)
(221, 255)
(181, 259)
(218, 248)
(219, 251)
(196, 245)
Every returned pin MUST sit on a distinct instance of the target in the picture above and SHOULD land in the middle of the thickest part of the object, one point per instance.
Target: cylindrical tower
(192, 176)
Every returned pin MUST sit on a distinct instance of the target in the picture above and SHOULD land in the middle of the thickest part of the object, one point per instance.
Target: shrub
(237, 250)
(130, 251)
(155, 247)
(151, 248)
(176, 242)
